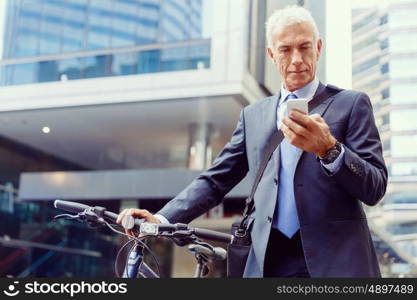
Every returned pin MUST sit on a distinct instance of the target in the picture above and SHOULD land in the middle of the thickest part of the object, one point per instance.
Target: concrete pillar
(199, 149)
(200, 155)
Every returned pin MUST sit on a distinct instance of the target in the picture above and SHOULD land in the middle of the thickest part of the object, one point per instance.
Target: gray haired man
(308, 219)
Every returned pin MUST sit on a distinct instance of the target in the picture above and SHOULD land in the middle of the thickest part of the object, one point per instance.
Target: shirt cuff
(335, 166)
(162, 219)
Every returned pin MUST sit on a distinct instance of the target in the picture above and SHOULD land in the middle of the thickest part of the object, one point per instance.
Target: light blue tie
(287, 217)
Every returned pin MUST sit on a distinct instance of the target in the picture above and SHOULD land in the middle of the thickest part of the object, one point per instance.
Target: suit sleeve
(209, 188)
(363, 173)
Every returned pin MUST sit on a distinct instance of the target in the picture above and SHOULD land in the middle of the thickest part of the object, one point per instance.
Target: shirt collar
(306, 92)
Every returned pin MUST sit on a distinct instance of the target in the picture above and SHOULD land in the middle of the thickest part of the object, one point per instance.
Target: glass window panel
(28, 26)
(146, 33)
(51, 24)
(200, 56)
(26, 43)
(149, 10)
(404, 169)
(74, 28)
(175, 59)
(147, 27)
(96, 66)
(124, 64)
(70, 68)
(6, 75)
(403, 67)
(366, 65)
(403, 17)
(123, 32)
(403, 42)
(196, 15)
(24, 73)
(370, 19)
(100, 20)
(404, 146)
(175, 20)
(403, 119)
(72, 37)
(402, 93)
(47, 71)
(365, 43)
(149, 61)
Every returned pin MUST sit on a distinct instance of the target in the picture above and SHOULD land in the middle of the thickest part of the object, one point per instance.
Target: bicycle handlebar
(75, 207)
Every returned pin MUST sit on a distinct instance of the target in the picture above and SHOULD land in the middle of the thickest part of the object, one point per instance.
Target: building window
(385, 93)
(404, 169)
(403, 42)
(385, 68)
(43, 27)
(383, 20)
(366, 65)
(404, 146)
(403, 67)
(386, 145)
(403, 93)
(372, 18)
(192, 57)
(403, 17)
(384, 44)
(365, 43)
(385, 119)
(401, 120)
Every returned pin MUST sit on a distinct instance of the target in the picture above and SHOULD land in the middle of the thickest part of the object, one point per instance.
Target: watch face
(332, 154)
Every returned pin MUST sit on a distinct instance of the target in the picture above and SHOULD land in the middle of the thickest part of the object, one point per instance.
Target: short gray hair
(287, 16)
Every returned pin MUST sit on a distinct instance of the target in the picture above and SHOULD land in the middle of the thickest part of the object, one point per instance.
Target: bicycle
(181, 234)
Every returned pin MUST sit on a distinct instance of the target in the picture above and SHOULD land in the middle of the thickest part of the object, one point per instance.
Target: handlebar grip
(73, 207)
(213, 235)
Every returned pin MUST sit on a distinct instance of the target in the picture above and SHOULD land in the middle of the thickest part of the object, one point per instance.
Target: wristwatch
(331, 154)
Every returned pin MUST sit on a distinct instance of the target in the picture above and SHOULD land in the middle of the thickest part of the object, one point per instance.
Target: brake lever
(180, 238)
(65, 217)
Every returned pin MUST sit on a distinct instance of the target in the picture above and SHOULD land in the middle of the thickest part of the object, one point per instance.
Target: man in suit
(308, 219)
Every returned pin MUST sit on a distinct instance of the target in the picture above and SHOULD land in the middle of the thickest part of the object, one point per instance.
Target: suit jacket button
(269, 219)
(275, 180)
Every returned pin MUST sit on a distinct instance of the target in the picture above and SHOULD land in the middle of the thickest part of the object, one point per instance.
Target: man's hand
(309, 133)
(136, 213)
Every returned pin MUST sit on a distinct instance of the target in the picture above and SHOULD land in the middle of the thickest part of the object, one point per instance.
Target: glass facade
(403, 67)
(403, 42)
(403, 146)
(404, 169)
(386, 36)
(403, 93)
(403, 17)
(403, 120)
(149, 61)
(131, 36)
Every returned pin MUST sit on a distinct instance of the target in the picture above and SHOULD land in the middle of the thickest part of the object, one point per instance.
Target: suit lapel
(319, 109)
(269, 113)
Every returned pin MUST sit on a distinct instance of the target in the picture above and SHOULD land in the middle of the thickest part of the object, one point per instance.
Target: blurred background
(121, 103)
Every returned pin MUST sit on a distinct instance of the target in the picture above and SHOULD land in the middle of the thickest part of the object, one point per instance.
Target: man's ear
(319, 46)
(271, 54)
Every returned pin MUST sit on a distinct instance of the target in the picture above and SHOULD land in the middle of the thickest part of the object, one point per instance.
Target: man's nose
(296, 58)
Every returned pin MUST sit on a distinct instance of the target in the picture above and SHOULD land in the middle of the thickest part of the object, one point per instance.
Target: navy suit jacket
(333, 226)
